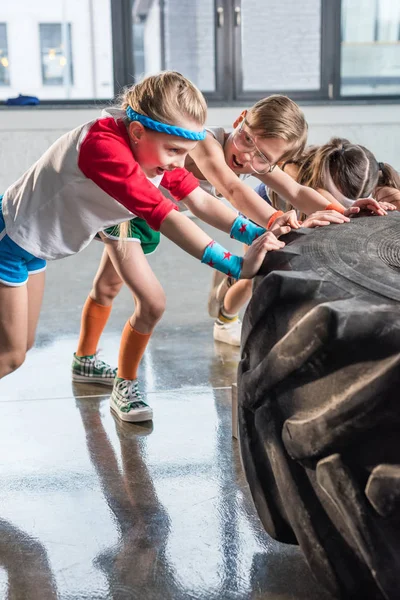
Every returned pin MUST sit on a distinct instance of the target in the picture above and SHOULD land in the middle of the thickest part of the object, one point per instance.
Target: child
(341, 172)
(102, 173)
(273, 130)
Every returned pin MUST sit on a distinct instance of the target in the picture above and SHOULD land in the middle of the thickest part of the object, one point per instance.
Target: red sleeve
(106, 158)
(179, 183)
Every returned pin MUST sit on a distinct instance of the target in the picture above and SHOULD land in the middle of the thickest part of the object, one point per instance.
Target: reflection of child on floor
(156, 156)
(340, 171)
(273, 130)
(103, 173)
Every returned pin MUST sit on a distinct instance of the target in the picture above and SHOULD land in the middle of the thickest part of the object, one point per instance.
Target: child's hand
(254, 256)
(366, 204)
(288, 219)
(324, 217)
(387, 206)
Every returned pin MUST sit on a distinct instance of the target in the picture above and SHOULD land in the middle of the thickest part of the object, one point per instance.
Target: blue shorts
(16, 264)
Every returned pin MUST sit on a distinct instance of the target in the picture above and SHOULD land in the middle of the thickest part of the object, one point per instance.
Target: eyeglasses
(244, 142)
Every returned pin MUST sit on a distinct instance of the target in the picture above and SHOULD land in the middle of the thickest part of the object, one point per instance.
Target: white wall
(26, 133)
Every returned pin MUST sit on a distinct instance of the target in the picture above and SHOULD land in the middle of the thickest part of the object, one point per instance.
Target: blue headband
(163, 127)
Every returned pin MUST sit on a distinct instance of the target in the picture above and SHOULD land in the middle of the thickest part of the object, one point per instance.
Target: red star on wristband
(211, 244)
(211, 264)
(256, 236)
(243, 228)
(227, 255)
(229, 274)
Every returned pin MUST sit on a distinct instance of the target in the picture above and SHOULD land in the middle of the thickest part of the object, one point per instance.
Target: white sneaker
(127, 401)
(229, 333)
(220, 285)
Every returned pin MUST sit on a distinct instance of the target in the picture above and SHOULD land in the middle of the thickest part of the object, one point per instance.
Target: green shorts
(138, 231)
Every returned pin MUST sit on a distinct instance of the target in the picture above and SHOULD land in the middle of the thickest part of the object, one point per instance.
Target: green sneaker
(127, 401)
(92, 370)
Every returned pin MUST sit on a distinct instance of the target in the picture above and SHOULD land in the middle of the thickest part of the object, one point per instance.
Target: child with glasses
(105, 172)
(272, 131)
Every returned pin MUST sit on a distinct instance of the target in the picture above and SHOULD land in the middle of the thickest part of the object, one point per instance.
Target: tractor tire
(319, 402)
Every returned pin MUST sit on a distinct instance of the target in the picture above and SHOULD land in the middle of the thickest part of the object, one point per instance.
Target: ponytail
(388, 176)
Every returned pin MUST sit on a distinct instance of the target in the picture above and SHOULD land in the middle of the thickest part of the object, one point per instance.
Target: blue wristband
(245, 231)
(217, 257)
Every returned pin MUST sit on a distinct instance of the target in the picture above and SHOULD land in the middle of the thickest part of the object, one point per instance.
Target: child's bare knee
(11, 361)
(105, 292)
(152, 310)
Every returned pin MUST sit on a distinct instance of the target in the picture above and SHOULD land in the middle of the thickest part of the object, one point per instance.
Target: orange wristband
(338, 207)
(276, 214)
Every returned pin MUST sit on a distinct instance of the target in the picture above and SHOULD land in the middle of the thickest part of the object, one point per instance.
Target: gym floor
(92, 508)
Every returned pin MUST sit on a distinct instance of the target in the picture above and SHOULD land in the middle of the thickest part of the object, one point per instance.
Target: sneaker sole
(144, 416)
(224, 341)
(86, 379)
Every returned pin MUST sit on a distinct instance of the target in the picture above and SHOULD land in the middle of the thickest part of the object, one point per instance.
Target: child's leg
(237, 295)
(133, 268)
(13, 327)
(86, 365)
(227, 327)
(97, 308)
(35, 288)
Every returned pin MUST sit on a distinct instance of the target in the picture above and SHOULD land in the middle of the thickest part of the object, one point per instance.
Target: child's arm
(216, 213)
(309, 200)
(209, 158)
(301, 197)
(188, 236)
(389, 195)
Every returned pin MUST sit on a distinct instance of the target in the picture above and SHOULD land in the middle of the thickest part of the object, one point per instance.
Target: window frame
(7, 83)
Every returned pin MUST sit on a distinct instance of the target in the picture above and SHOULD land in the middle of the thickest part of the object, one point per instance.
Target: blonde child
(125, 246)
(272, 131)
(102, 173)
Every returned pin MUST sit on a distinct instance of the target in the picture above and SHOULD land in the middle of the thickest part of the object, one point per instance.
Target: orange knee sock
(93, 321)
(132, 347)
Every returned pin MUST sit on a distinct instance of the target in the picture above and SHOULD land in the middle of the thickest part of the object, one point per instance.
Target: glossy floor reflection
(92, 508)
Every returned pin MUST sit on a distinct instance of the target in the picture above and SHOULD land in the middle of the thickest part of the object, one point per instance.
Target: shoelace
(132, 388)
(100, 364)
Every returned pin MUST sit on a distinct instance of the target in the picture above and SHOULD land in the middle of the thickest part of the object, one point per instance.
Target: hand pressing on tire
(255, 255)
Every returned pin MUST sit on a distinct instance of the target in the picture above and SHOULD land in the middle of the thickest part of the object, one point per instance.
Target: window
(281, 46)
(60, 51)
(236, 50)
(370, 47)
(56, 54)
(4, 61)
(176, 34)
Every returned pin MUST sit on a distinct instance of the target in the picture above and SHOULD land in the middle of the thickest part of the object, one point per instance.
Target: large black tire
(319, 402)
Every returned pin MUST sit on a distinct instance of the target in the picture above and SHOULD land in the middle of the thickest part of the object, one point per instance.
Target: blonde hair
(167, 97)
(279, 117)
